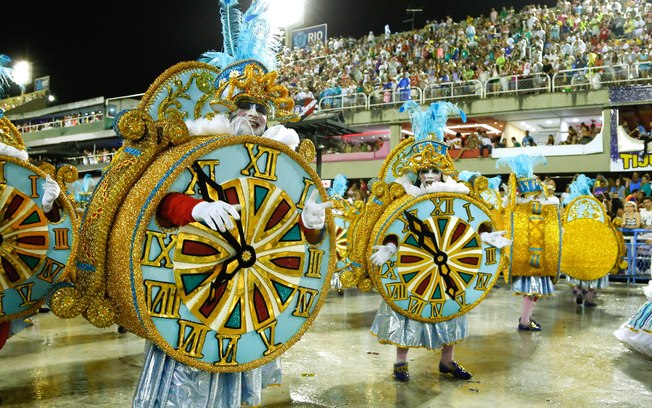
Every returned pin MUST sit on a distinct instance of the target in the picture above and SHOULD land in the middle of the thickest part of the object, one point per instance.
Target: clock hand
(426, 238)
(440, 258)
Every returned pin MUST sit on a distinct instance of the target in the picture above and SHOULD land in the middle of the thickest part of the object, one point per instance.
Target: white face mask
(429, 176)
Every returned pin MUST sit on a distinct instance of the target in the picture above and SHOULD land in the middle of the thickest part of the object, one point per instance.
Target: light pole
(22, 76)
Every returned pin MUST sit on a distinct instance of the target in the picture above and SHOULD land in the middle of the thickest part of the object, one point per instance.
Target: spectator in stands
(572, 135)
(631, 217)
(634, 183)
(485, 144)
(528, 140)
(643, 134)
(551, 140)
(502, 143)
(472, 143)
(515, 143)
(646, 213)
(646, 186)
(585, 134)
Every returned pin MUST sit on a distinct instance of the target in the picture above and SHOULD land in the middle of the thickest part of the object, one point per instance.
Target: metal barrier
(517, 84)
(639, 255)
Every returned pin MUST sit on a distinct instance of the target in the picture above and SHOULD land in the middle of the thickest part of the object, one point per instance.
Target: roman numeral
(162, 299)
(271, 156)
(61, 238)
(482, 283)
(416, 305)
(490, 255)
(200, 164)
(50, 270)
(191, 338)
(268, 335)
(25, 292)
(396, 291)
(469, 217)
(163, 258)
(305, 299)
(443, 206)
(227, 347)
(315, 257)
(33, 182)
(307, 183)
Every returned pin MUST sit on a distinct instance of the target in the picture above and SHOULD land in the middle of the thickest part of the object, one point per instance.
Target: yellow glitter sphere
(365, 285)
(66, 303)
(100, 313)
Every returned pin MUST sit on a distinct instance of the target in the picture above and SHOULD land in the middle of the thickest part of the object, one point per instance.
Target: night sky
(123, 46)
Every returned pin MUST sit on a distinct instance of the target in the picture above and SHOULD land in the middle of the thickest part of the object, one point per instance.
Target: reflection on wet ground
(574, 362)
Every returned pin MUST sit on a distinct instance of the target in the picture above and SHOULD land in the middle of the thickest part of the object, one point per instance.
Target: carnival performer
(240, 111)
(636, 333)
(392, 327)
(534, 282)
(51, 191)
(582, 289)
(337, 192)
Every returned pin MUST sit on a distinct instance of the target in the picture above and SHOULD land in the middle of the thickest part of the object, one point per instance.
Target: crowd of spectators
(535, 40)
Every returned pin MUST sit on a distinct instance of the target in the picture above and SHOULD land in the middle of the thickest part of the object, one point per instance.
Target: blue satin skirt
(165, 382)
(392, 327)
(533, 286)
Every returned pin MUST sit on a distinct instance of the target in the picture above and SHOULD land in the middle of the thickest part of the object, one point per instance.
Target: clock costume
(204, 235)
(37, 229)
(430, 252)
(584, 215)
(533, 221)
(346, 213)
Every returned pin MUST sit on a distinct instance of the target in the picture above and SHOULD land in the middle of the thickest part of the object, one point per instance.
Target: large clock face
(441, 269)
(235, 300)
(33, 250)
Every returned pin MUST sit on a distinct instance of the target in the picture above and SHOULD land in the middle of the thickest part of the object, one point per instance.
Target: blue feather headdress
(248, 62)
(467, 176)
(6, 73)
(429, 149)
(495, 183)
(581, 186)
(523, 168)
(338, 189)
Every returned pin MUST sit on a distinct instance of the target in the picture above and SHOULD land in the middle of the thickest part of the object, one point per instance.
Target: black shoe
(531, 326)
(589, 304)
(579, 300)
(43, 310)
(121, 330)
(457, 371)
(401, 372)
(340, 292)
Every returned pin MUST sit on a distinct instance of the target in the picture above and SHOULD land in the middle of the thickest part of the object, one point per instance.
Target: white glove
(383, 253)
(314, 214)
(51, 191)
(496, 239)
(217, 214)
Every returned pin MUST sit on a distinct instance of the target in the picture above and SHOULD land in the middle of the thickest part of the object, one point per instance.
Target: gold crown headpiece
(426, 154)
(250, 81)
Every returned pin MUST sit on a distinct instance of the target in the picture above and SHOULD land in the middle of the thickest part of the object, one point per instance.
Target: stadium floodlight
(286, 13)
(22, 73)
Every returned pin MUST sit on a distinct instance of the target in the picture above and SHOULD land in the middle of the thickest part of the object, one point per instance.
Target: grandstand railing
(639, 255)
(562, 81)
